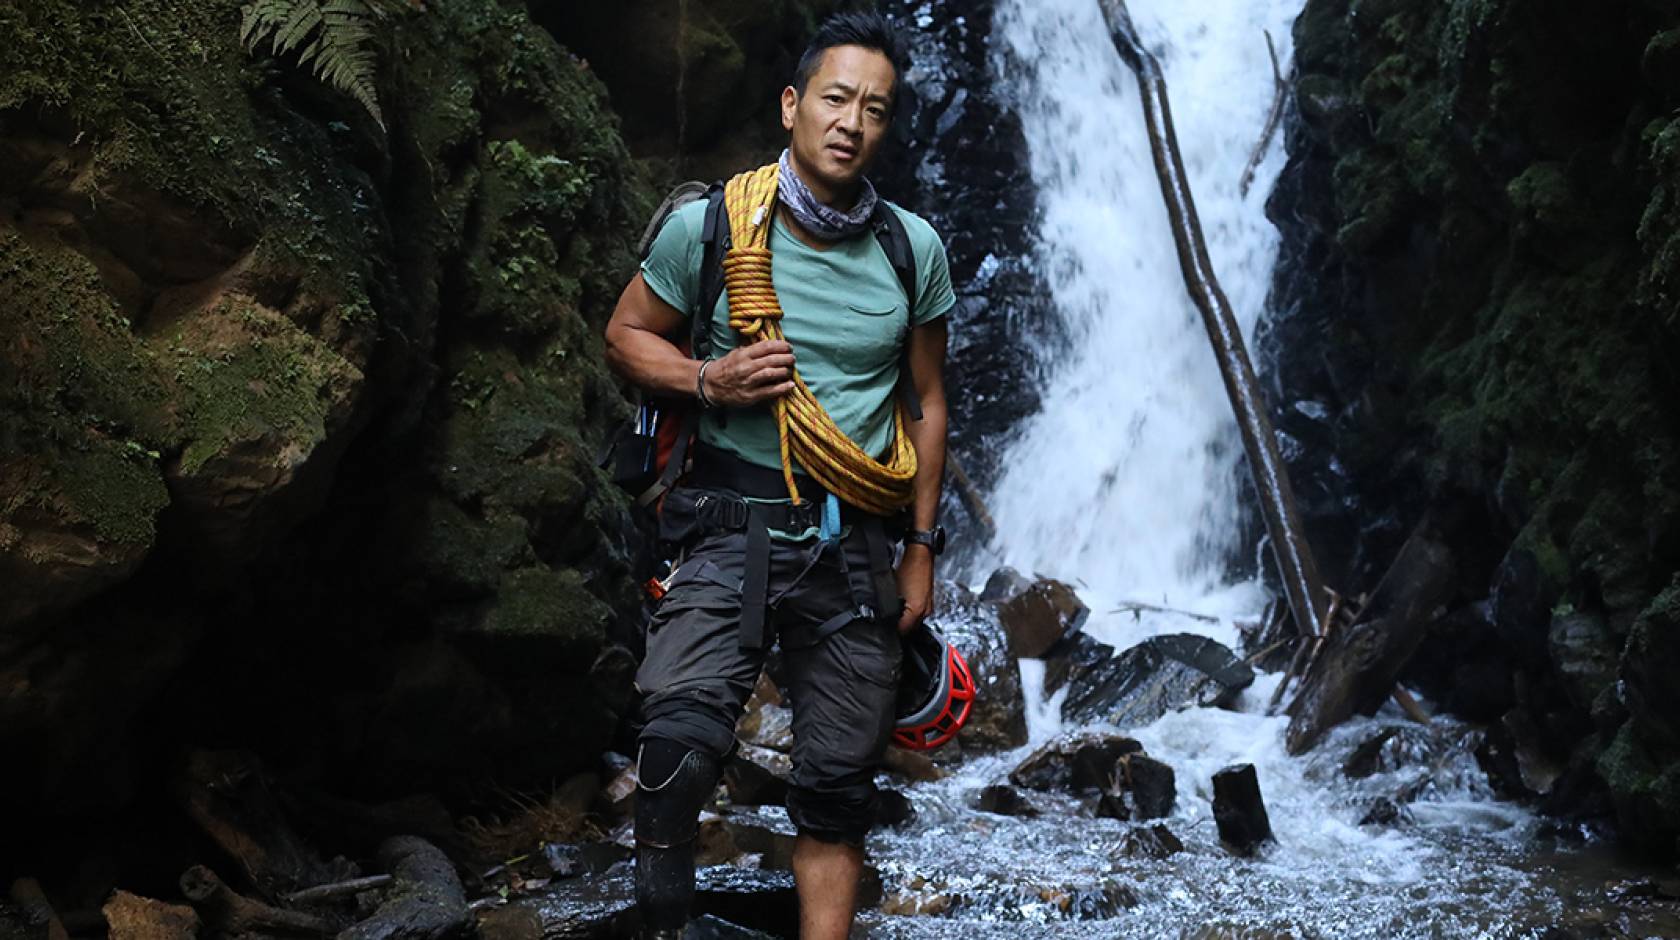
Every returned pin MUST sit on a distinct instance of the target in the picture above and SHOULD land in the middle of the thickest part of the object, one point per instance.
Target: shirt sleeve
(934, 296)
(672, 266)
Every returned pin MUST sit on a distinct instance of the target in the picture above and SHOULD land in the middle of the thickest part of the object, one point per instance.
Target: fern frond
(331, 37)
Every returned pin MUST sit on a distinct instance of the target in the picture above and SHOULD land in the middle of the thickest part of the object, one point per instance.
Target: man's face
(839, 122)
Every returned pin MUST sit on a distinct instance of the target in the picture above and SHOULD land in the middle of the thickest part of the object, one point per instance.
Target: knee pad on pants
(673, 783)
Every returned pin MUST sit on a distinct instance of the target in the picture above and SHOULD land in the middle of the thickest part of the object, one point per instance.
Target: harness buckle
(731, 513)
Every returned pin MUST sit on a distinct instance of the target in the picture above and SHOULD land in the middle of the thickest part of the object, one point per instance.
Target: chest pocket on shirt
(874, 331)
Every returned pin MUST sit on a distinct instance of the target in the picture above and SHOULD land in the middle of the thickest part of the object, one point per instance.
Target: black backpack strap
(895, 241)
(714, 243)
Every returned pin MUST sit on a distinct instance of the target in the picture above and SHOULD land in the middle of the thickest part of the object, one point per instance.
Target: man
(837, 605)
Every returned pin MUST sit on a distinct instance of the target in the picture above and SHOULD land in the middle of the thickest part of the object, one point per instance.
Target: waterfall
(1125, 482)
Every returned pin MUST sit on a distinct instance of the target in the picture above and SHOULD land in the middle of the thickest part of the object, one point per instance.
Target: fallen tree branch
(427, 901)
(1299, 572)
(226, 911)
(1131, 607)
(337, 890)
(1358, 665)
(1273, 118)
(970, 495)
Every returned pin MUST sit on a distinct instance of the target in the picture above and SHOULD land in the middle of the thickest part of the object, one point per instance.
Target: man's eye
(832, 99)
(877, 112)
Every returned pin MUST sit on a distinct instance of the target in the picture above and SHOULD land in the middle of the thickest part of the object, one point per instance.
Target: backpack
(651, 451)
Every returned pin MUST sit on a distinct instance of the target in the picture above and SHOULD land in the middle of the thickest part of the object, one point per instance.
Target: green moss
(544, 620)
(276, 382)
(117, 491)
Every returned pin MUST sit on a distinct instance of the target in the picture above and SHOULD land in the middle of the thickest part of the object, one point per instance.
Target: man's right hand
(748, 375)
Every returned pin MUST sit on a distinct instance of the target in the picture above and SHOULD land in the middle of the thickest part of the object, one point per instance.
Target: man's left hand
(915, 585)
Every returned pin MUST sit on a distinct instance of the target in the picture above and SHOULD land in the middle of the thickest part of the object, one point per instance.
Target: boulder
(1584, 654)
(605, 905)
(1150, 783)
(131, 917)
(1004, 584)
(1053, 765)
(1037, 617)
(1152, 842)
(1004, 800)
(1239, 810)
(894, 810)
(764, 831)
(1159, 675)
(998, 719)
(756, 776)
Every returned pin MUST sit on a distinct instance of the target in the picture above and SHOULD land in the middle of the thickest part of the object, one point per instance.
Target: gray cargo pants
(842, 687)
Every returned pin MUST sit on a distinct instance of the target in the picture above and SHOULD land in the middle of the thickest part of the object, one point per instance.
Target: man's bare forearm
(650, 361)
(927, 436)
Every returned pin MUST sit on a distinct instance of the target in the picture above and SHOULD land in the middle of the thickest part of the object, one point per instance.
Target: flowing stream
(1125, 484)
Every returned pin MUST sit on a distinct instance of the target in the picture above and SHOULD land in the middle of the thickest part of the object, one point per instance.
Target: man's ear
(790, 101)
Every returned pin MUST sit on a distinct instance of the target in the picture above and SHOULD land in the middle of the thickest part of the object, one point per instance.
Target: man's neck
(841, 201)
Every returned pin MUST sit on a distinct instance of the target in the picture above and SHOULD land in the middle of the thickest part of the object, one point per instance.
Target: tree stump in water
(1239, 810)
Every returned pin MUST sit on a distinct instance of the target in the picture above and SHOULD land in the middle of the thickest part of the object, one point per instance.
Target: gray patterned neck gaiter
(823, 221)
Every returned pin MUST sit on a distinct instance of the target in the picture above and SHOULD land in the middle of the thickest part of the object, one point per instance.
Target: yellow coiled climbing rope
(804, 429)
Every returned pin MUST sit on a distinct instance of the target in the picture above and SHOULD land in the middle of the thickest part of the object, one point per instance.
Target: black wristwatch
(933, 538)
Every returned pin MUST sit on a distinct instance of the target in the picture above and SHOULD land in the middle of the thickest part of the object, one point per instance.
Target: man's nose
(851, 120)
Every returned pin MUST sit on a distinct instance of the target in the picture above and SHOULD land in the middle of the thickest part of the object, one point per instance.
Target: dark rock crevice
(1471, 318)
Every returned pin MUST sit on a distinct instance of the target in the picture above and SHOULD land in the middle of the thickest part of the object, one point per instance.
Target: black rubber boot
(673, 783)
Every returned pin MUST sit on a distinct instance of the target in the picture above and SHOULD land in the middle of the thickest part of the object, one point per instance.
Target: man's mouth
(842, 151)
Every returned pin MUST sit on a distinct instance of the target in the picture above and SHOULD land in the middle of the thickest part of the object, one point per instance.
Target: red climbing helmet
(936, 693)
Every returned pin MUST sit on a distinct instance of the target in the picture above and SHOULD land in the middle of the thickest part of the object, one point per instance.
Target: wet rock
(1366, 759)
(1157, 676)
(1038, 616)
(1004, 800)
(709, 927)
(1052, 766)
(1155, 842)
(605, 905)
(1100, 764)
(1150, 784)
(1004, 583)
(1585, 655)
(763, 831)
(131, 917)
(1111, 804)
(914, 766)
(766, 721)
(756, 776)
(1513, 754)
(573, 859)
(1385, 811)
(998, 718)
(1239, 810)
(1522, 601)
(620, 791)
(894, 810)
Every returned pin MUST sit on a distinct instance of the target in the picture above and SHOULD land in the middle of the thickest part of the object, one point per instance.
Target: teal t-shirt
(843, 311)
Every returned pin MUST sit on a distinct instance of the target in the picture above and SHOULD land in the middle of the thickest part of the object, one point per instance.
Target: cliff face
(1478, 320)
(298, 415)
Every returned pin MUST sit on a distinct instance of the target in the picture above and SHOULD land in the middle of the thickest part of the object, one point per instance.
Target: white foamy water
(1125, 482)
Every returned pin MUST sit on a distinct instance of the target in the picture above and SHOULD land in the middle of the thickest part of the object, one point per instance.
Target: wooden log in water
(426, 901)
(1356, 669)
(1296, 565)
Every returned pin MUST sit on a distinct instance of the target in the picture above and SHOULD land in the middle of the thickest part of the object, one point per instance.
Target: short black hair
(869, 30)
